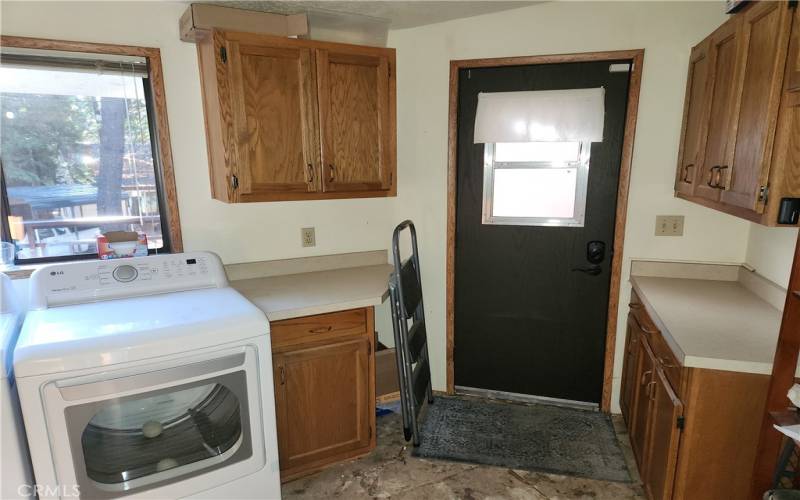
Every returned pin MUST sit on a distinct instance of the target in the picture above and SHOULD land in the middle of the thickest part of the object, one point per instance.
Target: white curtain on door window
(540, 116)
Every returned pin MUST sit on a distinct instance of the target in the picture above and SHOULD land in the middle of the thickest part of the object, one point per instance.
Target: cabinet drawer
(319, 328)
(667, 360)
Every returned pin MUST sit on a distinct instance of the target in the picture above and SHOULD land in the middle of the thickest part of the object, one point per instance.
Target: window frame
(159, 137)
(579, 213)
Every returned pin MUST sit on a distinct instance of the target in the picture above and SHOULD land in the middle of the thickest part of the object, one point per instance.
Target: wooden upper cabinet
(274, 120)
(748, 130)
(765, 37)
(695, 120)
(290, 119)
(723, 52)
(357, 124)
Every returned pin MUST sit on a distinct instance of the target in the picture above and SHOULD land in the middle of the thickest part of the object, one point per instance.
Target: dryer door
(142, 431)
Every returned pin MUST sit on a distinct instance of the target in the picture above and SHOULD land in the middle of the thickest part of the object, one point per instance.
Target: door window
(535, 183)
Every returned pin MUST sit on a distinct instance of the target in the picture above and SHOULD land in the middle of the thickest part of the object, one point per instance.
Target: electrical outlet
(307, 237)
(669, 225)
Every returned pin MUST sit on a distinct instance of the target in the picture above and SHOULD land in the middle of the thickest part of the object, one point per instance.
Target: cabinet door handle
(283, 375)
(711, 176)
(686, 178)
(310, 173)
(644, 376)
(321, 329)
(651, 392)
(719, 184)
(331, 173)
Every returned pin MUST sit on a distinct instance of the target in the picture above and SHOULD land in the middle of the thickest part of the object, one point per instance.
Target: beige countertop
(318, 292)
(712, 323)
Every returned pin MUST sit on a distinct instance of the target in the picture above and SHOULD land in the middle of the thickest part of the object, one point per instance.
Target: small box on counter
(121, 244)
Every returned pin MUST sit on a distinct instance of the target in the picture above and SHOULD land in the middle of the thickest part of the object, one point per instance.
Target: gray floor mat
(519, 436)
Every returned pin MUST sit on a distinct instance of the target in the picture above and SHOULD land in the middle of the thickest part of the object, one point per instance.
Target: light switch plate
(307, 237)
(669, 225)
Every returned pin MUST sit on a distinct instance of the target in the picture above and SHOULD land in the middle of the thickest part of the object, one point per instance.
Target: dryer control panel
(94, 280)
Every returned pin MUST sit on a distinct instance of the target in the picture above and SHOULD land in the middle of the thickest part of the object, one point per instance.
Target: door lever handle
(593, 270)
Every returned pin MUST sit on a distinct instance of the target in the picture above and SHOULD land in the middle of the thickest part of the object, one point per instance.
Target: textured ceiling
(398, 14)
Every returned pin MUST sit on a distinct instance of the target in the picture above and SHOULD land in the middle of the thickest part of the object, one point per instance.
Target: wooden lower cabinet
(666, 421)
(693, 431)
(324, 389)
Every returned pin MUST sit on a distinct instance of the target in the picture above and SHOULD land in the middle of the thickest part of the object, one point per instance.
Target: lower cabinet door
(630, 363)
(641, 405)
(665, 433)
(322, 404)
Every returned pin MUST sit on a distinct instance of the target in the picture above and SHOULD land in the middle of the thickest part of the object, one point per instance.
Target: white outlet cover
(669, 225)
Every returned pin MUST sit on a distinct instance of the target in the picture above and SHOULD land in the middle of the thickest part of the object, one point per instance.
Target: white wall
(770, 251)
(238, 233)
(665, 30)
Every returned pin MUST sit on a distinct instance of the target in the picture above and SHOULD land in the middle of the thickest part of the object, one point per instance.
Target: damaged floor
(390, 471)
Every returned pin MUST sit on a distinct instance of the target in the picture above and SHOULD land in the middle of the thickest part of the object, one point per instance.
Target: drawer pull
(323, 329)
(639, 324)
(644, 376)
(651, 392)
(666, 364)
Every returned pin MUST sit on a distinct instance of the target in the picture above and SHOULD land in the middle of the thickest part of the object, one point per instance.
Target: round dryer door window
(161, 435)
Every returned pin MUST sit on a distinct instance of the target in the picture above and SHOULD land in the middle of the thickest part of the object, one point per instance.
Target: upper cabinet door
(723, 52)
(357, 120)
(274, 111)
(765, 40)
(695, 119)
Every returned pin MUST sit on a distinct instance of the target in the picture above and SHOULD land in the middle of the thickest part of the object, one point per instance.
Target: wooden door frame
(637, 58)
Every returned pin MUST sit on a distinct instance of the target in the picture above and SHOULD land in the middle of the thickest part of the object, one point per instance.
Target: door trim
(637, 58)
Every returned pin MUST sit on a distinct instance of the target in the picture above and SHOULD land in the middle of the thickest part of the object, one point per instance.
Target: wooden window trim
(637, 59)
(161, 125)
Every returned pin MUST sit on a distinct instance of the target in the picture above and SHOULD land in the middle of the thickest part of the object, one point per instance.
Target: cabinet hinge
(223, 54)
(681, 421)
(763, 193)
(369, 349)
(283, 376)
(234, 182)
(370, 432)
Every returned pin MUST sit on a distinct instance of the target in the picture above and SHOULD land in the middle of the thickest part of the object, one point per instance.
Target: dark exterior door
(526, 322)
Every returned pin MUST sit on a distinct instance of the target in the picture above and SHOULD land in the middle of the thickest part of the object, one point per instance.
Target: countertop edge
(325, 308)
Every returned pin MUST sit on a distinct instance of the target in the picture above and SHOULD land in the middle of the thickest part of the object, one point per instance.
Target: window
(81, 153)
(535, 183)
